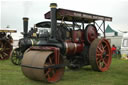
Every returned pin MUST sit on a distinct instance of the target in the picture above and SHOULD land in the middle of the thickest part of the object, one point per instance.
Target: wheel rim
(90, 33)
(100, 55)
(5, 49)
(53, 74)
(16, 56)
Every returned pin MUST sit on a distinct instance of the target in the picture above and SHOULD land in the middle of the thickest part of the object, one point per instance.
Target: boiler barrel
(73, 48)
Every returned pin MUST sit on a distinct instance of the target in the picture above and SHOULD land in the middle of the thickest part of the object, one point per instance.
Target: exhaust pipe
(53, 20)
(25, 26)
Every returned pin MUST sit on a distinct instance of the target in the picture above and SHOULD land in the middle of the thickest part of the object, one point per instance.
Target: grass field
(116, 75)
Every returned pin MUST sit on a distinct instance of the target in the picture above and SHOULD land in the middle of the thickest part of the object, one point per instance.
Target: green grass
(116, 75)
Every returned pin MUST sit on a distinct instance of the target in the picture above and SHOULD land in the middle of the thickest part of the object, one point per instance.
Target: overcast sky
(12, 11)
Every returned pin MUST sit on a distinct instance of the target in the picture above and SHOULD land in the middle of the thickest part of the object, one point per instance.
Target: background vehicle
(124, 47)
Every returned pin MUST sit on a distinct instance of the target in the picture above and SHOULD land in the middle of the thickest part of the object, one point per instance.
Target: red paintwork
(80, 47)
(55, 50)
(78, 36)
(103, 47)
(56, 73)
(75, 45)
(91, 33)
(73, 48)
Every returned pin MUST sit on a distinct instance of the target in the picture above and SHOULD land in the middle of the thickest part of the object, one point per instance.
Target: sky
(12, 11)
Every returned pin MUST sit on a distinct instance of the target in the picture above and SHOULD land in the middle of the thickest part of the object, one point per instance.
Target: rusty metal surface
(79, 16)
(5, 49)
(5, 30)
(34, 59)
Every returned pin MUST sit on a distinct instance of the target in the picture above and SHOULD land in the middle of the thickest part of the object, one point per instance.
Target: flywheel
(90, 33)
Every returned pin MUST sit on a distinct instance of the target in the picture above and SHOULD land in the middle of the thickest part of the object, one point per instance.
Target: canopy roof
(70, 15)
(44, 24)
(47, 24)
(5, 30)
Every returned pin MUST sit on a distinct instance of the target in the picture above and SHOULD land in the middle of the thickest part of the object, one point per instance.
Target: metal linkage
(99, 27)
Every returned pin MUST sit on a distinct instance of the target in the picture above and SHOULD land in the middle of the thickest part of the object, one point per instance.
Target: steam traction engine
(77, 44)
(6, 41)
(29, 39)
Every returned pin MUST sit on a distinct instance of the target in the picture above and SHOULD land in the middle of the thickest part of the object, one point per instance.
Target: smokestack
(25, 26)
(53, 20)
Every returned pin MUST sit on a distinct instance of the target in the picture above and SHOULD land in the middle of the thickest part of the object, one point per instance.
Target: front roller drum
(33, 64)
(100, 55)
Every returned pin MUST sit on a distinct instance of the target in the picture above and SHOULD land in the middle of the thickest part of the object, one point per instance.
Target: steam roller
(72, 45)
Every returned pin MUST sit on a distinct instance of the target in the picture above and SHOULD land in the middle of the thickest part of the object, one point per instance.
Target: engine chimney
(25, 25)
(53, 20)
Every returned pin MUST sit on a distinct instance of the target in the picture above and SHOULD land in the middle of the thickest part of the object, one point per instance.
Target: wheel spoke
(98, 55)
(48, 71)
(100, 50)
(1, 49)
(50, 61)
(2, 45)
(6, 49)
(107, 55)
(105, 63)
(100, 63)
(101, 46)
(105, 46)
(1, 56)
(5, 54)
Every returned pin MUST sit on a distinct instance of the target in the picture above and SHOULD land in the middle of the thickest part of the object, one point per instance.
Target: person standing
(113, 49)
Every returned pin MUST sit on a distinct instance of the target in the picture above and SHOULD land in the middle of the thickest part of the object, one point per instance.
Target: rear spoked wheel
(100, 55)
